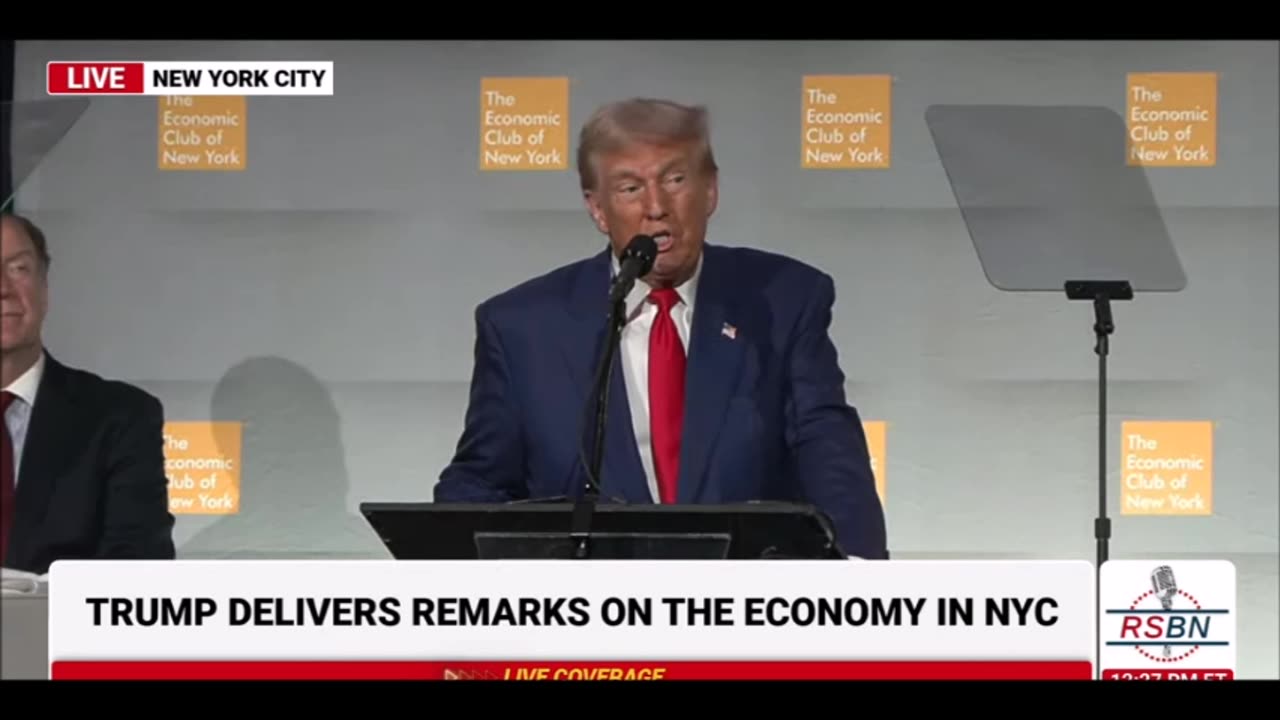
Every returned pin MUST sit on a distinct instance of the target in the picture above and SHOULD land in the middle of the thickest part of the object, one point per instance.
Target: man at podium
(727, 386)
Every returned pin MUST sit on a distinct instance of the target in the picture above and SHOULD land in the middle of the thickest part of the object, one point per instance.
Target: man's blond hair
(643, 120)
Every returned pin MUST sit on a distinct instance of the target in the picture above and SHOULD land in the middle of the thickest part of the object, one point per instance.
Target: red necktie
(666, 393)
(6, 477)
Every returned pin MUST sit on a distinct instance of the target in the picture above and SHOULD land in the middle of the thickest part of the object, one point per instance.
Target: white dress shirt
(634, 349)
(18, 417)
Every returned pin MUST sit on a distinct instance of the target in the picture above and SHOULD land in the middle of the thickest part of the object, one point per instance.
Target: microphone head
(644, 249)
(1163, 584)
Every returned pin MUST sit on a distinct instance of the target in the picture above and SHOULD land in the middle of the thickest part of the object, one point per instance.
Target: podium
(544, 531)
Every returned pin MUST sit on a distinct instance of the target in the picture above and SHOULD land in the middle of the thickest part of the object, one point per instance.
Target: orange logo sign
(1172, 119)
(845, 121)
(1166, 468)
(524, 123)
(202, 462)
(203, 133)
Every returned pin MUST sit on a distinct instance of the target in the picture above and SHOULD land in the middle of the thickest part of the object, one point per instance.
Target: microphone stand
(1101, 292)
(584, 508)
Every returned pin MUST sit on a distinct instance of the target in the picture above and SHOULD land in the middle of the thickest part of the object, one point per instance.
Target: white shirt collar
(28, 383)
(688, 290)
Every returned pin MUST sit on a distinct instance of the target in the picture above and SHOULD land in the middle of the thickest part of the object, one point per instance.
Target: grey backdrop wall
(323, 295)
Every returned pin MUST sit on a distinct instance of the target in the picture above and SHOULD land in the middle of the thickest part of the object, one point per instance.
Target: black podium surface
(538, 531)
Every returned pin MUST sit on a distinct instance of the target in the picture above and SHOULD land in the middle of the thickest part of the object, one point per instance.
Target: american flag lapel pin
(729, 331)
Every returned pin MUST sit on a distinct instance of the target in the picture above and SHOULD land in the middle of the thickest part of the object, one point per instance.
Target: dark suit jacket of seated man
(762, 414)
(85, 454)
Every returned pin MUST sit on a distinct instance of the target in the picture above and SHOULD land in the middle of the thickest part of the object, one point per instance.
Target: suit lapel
(581, 341)
(715, 358)
(52, 420)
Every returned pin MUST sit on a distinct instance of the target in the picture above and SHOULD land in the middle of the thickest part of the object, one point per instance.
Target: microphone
(636, 261)
(1165, 588)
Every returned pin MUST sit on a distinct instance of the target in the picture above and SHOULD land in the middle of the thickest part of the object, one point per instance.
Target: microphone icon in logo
(1165, 588)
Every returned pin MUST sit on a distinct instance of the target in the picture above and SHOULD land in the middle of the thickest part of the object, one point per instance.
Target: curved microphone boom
(635, 261)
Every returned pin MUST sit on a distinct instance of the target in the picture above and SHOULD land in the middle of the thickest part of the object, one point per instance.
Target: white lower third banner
(584, 620)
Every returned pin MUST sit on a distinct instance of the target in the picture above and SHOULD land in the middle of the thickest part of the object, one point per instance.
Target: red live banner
(96, 78)
(562, 670)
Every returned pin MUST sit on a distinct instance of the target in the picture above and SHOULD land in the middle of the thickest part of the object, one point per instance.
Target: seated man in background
(82, 462)
(728, 387)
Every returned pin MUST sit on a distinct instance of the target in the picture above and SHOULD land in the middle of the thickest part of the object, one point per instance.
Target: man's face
(24, 293)
(656, 190)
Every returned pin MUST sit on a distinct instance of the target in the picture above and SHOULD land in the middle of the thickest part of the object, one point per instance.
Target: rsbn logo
(1166, 623)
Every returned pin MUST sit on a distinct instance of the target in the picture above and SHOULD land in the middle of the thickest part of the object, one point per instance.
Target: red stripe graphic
(566, 670)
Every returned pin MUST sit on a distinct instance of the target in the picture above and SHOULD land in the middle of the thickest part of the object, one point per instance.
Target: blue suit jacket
(765, 414)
